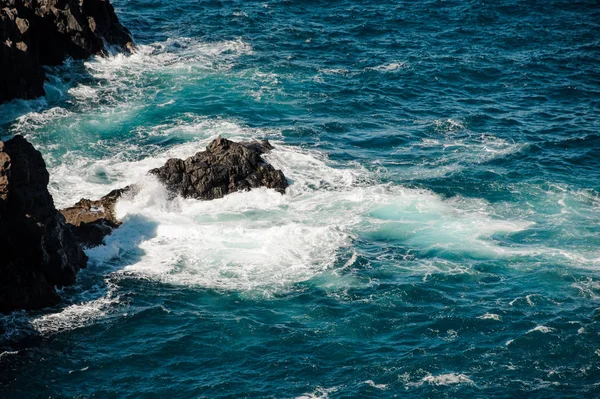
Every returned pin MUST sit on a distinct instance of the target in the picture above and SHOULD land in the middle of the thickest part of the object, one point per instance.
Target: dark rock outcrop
(34, 33)
(40, 247)
(91, 221)
(37, 250)
(225, 167)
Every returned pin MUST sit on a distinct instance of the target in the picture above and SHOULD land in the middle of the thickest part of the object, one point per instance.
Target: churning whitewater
(439, 237)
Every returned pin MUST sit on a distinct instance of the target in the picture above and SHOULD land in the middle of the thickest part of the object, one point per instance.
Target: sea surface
(440, 237)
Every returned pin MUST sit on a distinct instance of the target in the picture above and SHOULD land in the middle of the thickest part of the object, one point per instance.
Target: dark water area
(440, 237)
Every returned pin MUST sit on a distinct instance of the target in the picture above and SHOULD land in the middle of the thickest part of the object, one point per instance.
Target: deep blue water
(440, 237)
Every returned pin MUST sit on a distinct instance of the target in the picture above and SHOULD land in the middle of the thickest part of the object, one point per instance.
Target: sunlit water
(440, 236)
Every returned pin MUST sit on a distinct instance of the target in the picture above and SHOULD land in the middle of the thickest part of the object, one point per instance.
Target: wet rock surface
(38, 252)
(225, 167)
(41, 248)
(34, 33)
(91, 221)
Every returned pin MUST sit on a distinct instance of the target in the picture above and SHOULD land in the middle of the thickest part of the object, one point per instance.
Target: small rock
(225, 167)
(91, 221)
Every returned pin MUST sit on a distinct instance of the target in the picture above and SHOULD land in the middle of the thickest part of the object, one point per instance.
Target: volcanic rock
(91, 221)
(225, 167)
(34, 33)
(38, 252)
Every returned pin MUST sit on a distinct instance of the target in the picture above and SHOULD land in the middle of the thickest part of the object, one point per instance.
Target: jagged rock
(225, 167)
(37, 250)
(91, 221)
(34, 33)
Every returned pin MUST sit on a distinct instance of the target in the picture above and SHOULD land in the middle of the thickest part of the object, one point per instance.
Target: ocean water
(440, 236)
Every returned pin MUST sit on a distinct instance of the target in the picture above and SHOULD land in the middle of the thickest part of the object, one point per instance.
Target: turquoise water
(440, 237)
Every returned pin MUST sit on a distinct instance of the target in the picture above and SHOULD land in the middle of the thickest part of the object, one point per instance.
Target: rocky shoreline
(41, 248)
(38, 33)
(38, 252)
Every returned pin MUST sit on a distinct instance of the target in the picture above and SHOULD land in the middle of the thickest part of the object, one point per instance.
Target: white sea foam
(75, 175)
(490, 316)
(425, 221)
(529, 300)
(35, 120)
(318, 393)
(83, 92)
(182, 54)
(7, 354)
(125, 82)
(80, 370)
(453, 148)
(334, 71)
(377, 386)
(390, 67)
(448, 125)
(542, 329)
(257, 241)
(79, 314)
(260, 240)
(447, 379)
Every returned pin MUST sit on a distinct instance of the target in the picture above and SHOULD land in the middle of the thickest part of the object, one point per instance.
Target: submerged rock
(225, 167)
(34, 33)
(38, 252)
